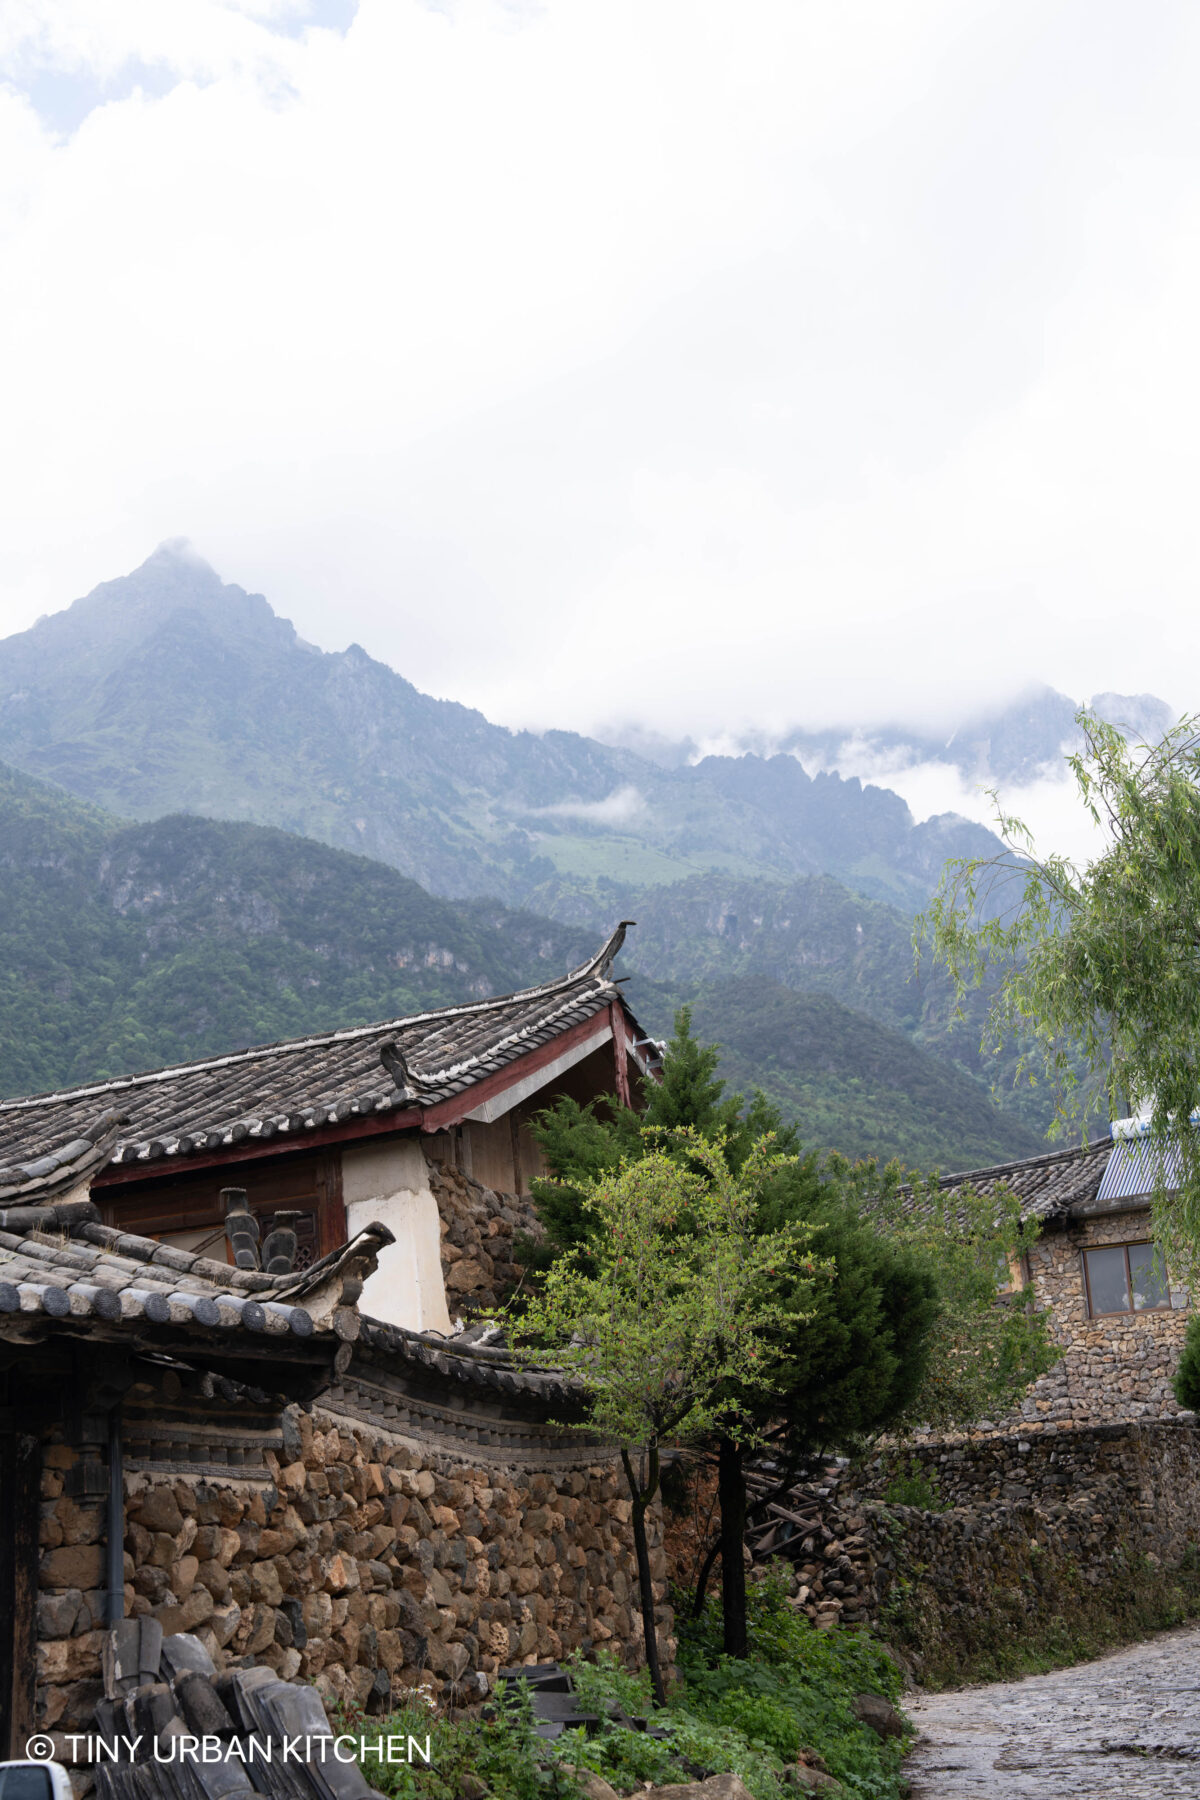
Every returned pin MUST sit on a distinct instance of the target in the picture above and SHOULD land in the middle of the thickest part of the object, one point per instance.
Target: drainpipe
(116, 1520)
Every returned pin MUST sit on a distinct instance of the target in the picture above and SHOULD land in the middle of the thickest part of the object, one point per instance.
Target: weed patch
(751, 1718)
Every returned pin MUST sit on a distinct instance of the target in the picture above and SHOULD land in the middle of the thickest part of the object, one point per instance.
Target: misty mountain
(168, 691)
(127, 946)
(1012, 746)
(1015, 744)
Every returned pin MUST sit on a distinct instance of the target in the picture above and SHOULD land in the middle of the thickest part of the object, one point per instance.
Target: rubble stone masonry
(1031, 1532)
(365, 1561)
(1114, 1367)
(478, 1228)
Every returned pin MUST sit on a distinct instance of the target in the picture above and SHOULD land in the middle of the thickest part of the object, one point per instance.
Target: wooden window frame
(1122, 1312)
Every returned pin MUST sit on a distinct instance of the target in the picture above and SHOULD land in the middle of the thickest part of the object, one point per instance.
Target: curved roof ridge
(993, 1170)
(596, 968)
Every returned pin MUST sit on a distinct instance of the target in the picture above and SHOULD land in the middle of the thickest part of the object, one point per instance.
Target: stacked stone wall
(478, 1229)
(1148, 1472)
(364, 1563)
(1033, 1533)
(1117, 1366)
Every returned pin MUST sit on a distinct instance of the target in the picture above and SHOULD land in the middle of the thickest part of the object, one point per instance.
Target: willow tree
(1096, 966)
(673, 1305)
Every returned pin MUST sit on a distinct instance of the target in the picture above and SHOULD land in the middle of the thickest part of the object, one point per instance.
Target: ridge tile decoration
(397, 1072)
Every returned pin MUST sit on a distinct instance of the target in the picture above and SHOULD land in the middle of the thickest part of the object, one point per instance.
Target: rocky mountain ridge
(170, 691)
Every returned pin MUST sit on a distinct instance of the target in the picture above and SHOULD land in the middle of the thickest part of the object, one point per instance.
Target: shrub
(745, 1717)
(1186, 1379)
(915, 1486)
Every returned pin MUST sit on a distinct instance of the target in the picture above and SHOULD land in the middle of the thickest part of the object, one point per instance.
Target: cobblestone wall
(478, 1227)
(1035, 1531)
(363, 1564)
(1115, 1367)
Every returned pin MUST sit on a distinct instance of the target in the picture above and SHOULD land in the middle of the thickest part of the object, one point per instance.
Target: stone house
(242, 1439)
(1118, 1314)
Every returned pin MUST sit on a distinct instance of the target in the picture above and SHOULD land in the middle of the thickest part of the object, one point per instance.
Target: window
(1125, 1278)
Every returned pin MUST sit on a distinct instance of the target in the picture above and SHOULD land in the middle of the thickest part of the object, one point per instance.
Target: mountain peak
(174, 581)
(174, 551)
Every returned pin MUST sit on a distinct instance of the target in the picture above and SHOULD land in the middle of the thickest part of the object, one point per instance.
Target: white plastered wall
(389, 1184)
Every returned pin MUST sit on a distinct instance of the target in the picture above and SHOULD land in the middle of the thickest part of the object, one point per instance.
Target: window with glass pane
(1148, 1277)
(1125, 1278)
(1107, 1280)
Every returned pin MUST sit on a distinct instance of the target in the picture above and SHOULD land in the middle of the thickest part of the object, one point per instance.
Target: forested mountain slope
(853, 1083)
(125, 946)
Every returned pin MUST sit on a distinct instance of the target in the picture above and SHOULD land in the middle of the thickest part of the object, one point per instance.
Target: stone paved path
(1126, 1727)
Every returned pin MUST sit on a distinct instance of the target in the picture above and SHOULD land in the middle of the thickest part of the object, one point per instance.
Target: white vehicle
(34, 1781)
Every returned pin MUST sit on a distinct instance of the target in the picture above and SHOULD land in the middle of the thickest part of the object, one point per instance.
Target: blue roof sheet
(1133, 1170)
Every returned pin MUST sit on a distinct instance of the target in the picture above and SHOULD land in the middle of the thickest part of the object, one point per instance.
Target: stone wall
(1036, 1534)
(363, 1562)
(1148, 1471)
(478, 1227)
(1115, 1367)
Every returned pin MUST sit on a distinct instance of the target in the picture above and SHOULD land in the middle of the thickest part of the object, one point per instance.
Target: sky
(706, 363)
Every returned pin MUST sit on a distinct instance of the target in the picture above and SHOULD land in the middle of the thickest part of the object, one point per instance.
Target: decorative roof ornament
(301, 1085)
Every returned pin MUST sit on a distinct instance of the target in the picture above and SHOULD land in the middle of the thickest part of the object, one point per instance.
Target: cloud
(732, 367)
(1049, 806)
(621, 807)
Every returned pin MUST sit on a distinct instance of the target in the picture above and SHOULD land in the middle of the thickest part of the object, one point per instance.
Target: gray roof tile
(289, 1088)
(1047, 1186)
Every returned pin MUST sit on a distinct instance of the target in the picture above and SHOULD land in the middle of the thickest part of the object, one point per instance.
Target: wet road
(1126, 1727)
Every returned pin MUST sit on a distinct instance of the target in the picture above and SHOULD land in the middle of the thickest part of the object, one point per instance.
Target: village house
(236, 1399)
(1119, 1317)
(421, 1124)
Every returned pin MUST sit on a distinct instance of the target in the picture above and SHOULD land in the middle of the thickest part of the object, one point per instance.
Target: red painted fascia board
(433, 1118)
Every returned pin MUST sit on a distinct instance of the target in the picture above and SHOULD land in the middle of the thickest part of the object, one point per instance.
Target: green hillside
(815, 936)
(128, 946)
(853, 1084)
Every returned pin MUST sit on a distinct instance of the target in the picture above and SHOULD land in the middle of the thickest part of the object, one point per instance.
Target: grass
(751, 1718)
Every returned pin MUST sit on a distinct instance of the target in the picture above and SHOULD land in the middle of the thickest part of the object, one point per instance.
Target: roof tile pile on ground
(305, 1083)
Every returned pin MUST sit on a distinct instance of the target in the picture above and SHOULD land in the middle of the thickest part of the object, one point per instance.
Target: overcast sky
(697, 361)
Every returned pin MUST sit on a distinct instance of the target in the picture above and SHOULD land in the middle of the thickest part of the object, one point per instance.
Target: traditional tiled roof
(456, 1361)
(62, 1270)
(58, 1172)
(58, 1263)
(287, 1089)
(1047, 1186)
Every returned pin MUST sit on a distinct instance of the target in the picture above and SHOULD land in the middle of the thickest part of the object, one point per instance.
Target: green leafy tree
(672, 1312)
(1095, 966)
(583, 1142)
(906, 1323)
(1186, 1380)
(580, 1143)
(851, 1373)
(986, 1343)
